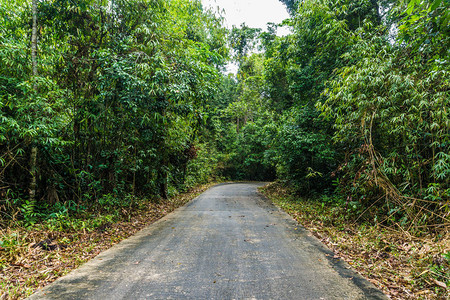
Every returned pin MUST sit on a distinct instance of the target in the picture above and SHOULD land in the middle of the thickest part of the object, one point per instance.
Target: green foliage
(244, 129)
(424, 27)
(243, 40)
(306, 156)
(29, 213)
(276, 69)
(65, 223)
(119, 101)
(202, 167)
(252, 158)
(10, 244)
(380, 77)
(291, 5)
(129, 101)
(390, 113)
(249, 153)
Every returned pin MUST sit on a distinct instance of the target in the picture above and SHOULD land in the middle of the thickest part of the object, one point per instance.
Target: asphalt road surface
(229, 243)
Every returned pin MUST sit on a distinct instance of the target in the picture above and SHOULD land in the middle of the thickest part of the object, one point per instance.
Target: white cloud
(255, 13)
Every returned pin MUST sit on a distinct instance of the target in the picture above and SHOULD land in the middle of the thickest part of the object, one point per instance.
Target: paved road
(229, 243)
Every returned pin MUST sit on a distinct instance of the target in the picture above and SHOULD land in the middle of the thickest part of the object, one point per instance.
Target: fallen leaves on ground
(40, 257)
(398, 263)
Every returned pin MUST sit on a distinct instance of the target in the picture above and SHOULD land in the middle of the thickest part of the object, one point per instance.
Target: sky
(255, 13)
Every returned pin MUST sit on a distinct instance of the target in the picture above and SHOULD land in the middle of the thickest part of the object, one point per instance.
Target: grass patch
(402, 265)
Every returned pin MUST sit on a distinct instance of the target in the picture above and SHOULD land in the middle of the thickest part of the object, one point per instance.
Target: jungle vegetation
(105, 102)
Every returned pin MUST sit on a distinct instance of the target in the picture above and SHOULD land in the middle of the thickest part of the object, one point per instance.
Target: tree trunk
(33, 171)
(376, 7)
(34, 150)
(163, 179)
(34, 39)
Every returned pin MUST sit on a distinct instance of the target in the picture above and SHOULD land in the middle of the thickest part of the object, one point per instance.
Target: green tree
(390, 111)
(118, 98)
(242, 41)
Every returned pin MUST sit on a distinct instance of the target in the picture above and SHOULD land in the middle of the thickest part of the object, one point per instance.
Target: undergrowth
(36, 251)
(403, 264)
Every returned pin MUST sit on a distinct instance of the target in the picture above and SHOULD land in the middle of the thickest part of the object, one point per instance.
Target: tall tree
(33, 154)
(243, 41)
(291, 5)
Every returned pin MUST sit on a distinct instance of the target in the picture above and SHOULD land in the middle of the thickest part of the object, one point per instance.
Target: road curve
(228, 243)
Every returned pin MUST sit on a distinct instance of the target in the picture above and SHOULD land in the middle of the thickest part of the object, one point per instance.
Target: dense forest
(110, 110)
(352, 107)
(104, 102)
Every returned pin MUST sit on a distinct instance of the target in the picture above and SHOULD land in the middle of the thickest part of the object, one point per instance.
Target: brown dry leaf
(406, 247)
(21, 265)
(440, 283)
(423, 292)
